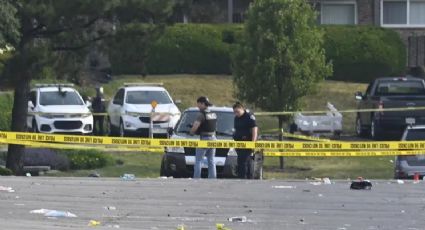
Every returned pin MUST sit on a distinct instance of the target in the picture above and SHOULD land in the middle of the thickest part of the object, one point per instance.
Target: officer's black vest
(209, 125)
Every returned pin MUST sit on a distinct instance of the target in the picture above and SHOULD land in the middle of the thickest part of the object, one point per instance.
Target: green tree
(281, 57)
(57, 34)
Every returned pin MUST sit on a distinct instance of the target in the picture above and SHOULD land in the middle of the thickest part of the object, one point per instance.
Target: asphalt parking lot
(201, 204)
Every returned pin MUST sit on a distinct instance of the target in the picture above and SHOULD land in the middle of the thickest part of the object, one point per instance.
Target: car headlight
(132, 114)
(85, 115)
(175, 149)
(46, 115)
(232, 152)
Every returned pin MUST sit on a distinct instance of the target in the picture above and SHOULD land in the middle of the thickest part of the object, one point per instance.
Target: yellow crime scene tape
(344, 153)
(302, 137)
(340, 111)
(277, 113)
(268, 145)
(36, 144)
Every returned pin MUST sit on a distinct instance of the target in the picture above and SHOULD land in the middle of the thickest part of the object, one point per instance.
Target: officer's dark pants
(244, 163)
(98, 125)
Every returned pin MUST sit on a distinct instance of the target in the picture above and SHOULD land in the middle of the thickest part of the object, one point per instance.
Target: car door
(114, 110)
(366, 103)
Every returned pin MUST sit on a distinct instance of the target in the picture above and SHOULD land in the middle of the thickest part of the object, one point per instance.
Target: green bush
(358, 53)
(88, 159)
(6, 104)
(5, 171)
(190, 48)
(363, 53)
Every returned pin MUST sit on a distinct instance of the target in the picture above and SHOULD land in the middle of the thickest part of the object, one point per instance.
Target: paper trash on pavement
(53, 213)
(284, 186)
(6, 189)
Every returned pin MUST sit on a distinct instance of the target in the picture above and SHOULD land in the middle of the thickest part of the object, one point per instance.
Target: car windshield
(146, 97)
(224, 122)
(415, 135)
(394, 88)
(60, 98)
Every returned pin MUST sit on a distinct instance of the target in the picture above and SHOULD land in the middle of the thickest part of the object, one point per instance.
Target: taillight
(381, 107)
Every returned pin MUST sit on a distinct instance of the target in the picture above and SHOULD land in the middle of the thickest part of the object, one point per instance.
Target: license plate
(158, 130)
(410, 120)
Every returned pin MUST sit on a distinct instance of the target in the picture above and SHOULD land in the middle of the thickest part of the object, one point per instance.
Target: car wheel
(121, 130)
(164, 171)
(375, 131)
(257, 166)
(34, 127)
(360, 130)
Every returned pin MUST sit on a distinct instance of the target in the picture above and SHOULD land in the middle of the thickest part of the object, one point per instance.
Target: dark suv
(179, 161)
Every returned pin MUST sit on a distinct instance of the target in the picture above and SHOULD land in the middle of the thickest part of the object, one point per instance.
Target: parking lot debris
(361, 184)
(111, 208)
(180, 227)
(128, 177)
(28, 174)
(221, 227)
(93, 223)
(53, 213)
(416, 178)
(400, 181)
(94, 174)
(241, 219)
(326, 180)
(284, 186)
(6, 189)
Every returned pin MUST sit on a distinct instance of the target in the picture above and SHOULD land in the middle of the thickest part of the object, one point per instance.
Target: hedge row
(358, 53)
(362, 53)
(6, 104)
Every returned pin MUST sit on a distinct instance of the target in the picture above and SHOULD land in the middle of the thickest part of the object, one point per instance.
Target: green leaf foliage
(281, 57)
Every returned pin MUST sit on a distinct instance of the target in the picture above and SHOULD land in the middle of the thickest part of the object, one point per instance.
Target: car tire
(361, 131)
(375, 130)
(164, 171)
(121, 131)
(34, 127)
(257, 166)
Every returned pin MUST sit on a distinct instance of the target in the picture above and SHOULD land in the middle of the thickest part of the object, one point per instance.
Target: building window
(417, 12)
(403, 13)
(338, 13)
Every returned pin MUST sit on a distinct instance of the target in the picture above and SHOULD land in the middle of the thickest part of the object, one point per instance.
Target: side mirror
(30, 105)
(359, 96)
(88, 103)
(178, 102)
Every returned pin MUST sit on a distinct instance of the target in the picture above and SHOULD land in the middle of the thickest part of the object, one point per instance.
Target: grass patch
(140, 164)
(332, 167)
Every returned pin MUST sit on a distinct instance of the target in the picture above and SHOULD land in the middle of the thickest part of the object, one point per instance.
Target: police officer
(98, 106)
(205, 127)
(245, 129)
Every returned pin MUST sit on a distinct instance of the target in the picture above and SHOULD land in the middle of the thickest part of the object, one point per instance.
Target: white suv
(58, 108)
(129, 113)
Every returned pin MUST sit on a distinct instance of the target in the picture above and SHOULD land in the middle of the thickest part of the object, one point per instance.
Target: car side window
(369, 89)
(119, 97)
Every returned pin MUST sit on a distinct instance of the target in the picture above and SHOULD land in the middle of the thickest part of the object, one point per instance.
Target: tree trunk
(19, 116)
(281, 119)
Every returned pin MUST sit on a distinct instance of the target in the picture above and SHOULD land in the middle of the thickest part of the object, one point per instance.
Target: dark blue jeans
(244, 163)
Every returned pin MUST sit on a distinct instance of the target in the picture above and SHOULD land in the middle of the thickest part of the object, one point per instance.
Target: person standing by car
(98, 106)
(205, 126)
(245, 129)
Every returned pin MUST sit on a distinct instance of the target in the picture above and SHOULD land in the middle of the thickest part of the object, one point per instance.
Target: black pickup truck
(384, 93)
